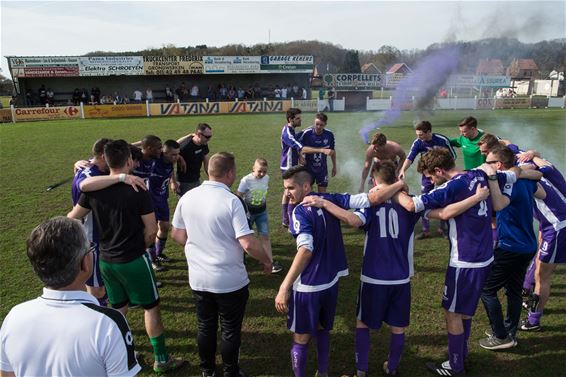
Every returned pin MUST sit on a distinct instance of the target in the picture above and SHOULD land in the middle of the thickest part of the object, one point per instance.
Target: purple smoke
(423, 83)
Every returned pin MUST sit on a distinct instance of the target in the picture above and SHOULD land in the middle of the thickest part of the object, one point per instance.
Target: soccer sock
(285, 213)
(396, 346)
(534, 317)
(159, 245)
(529, 281)
(362, 348)
(159, 349)
(151, 251)
(426, 225)
(299, 359)
(467, 330)
(455, 351)
(323, 350)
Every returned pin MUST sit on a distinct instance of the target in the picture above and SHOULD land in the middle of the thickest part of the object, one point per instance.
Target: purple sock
(299, 359)
(396, 346)
(534, 317)
(426, 225)
(323, 350)
(529, 281)
(285, 213)
(151, 251)
(467, 330)
(455, 351)
(362, 349)
(160, 245)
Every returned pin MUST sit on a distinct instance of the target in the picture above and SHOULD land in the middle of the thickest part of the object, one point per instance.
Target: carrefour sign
(353, 80)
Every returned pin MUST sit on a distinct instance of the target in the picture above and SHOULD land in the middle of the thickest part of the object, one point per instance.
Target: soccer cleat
(285, 225)
(276, 267)
(205, 374)
(422, 236)
(388, 372)
(443, 369)
(167, 366)
(494, 343)
(527, 326)
(157, 266)
(163, 258)
(318, 374)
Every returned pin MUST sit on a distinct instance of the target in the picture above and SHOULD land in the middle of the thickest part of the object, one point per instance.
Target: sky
(70, 28)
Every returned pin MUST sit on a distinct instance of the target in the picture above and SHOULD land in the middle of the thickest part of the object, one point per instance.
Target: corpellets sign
(353, 80)
(111, 65)
(172, 65)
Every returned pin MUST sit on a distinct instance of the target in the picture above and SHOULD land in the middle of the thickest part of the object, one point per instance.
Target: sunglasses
(492, 162)
(206, 136)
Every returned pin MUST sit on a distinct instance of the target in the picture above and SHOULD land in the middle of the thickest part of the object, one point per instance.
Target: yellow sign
(115, 111)
(513, 103)
(5, 115)
(172, 65)
(158, 109)
(255, 106)
(47, 113)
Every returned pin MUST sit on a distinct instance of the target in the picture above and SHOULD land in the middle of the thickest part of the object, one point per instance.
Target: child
(253, 189)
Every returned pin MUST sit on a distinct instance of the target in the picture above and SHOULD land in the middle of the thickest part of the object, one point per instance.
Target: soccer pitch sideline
(36, 155)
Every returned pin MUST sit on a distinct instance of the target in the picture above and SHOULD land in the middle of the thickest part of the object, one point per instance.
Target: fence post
(455, 102)
(475, 102)
(13, 113)
(82, 111)
(390, 102)
(147, 110)
(494, 103)
(563, 101)
(367, 103)
(292, 102)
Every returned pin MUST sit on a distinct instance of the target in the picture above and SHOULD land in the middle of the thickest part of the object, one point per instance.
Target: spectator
(321, 94)
(169, 96)
(232, 93)
(29, 97)
(64, 332)
(284, 92)
(42, 94)
(50, 96)
(149, 95)
(84, 96)
(257, 91)
(210, 93)
(222, 91)
(241, 93)
(304, 93)
(137, 96)
(194, 92)
(76, 97)
(331, 96)
(277, 92)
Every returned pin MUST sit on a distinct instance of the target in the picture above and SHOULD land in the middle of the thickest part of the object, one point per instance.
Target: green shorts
(132, 282)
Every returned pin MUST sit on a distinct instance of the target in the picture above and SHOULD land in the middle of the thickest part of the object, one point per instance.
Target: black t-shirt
(117, 212)
(194, 156)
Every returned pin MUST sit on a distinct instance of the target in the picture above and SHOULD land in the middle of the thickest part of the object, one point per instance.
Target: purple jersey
(471, 240)
(551, 211)
(145, 168)
(290, 148)
(320, 232)
(420, 146)
(554, 176)
(80, 176)
(388, 250)
(158, 182)
(316, 162)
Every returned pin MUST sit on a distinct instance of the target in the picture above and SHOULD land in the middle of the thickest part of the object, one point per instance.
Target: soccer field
(36, 155)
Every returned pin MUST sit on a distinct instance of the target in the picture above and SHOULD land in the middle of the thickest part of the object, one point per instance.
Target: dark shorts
(132, 282)
(313, 310)
(553, 246)
(187, 186)
(95, 280)
(321, 179)
(384, 303)
(463, 288)
(161, 208)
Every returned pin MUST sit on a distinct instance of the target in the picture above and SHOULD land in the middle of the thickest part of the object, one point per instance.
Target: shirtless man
(381, 149)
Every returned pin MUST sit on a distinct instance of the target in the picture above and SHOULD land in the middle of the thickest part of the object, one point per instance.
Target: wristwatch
(492, 177)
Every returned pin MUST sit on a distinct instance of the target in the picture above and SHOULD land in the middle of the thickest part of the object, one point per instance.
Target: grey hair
(55, 249)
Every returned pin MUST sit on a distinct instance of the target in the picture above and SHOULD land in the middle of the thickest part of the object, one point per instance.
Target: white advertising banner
(231, 64)
(110, 65)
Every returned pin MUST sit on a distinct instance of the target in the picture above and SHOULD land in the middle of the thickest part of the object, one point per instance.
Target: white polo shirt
(214, 219)
(66, 333)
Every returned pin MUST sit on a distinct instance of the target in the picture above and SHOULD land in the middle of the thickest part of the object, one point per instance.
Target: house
(370, 68)
(523, 69)
(400, 68)
(490, 67)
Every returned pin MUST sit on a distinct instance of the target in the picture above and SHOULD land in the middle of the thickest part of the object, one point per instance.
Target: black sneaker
(276, 267)
(494, 343)
(443, 369)
(157, 266)
(527, 326)
(163, 258)
(205, 374)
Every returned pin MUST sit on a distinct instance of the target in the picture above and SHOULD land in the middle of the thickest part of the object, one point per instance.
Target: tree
(6, 86)
(351, 62)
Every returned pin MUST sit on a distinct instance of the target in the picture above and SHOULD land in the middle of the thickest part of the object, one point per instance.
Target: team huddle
(121, 195)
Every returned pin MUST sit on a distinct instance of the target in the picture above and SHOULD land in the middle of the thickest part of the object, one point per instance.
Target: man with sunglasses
(194, 151)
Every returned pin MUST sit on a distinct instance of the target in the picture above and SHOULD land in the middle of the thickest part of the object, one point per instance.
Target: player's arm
(455, 209)
(343, 215)
(365, 170)
(78, 212)
(526, 173)
(103, 181)
(402, 157)
(181, 164)
(4, 373)
(528, 155)
(205, 164)
(184, 138)
(173, 183)
(302, 259)
(310, 150)
(540, 193)
(137, 144)
(406, 164)
(149, 228)
(539, 162)
(384, 193)
(405, 201)
(334, 166)
(81, 165)
(498, 200)
(455, 143)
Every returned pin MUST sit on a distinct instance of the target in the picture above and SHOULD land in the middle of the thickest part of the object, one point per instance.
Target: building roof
(527, 64)
(399, 68)
(370, 68)
(492, 67)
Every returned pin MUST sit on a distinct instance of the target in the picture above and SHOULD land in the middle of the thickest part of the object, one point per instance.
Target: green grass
(35, 155)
